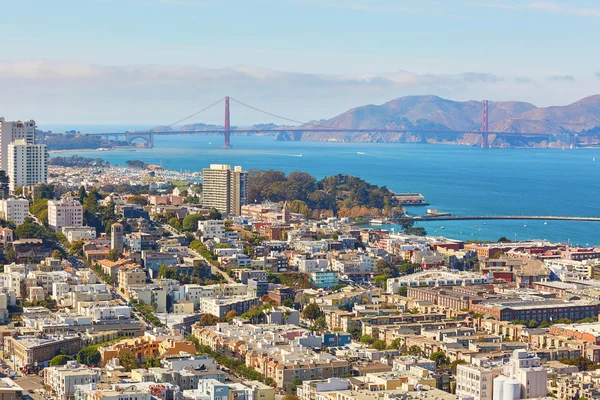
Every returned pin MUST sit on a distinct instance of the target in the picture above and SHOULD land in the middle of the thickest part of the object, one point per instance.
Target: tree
(231, 315)
(56, 254)
(208, 320)
(532, 324)
(320, 323)
(60, 360)
(290, 396)
(403, 291)
(152, 362)
(439, 357)
(288, 303)
(379, 344)
(114, 254)
(89, 356)
(355, 332)
(29, 230)
(504, 239)
(77, 248)
(190, 222)
(175, 224)
(311, 312)
(128, 362)
(396, 344)
(137, 199)
(82, 194)
(366, 339)
(544, 324)
(415, 350)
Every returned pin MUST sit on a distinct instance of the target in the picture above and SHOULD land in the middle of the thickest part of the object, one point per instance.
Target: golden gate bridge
(148, 136)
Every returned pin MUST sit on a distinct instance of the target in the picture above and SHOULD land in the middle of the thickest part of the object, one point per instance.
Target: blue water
(456, 179)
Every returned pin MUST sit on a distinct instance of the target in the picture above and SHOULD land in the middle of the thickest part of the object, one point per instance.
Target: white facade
(60, 290)
(212, 229)
(11, 131)
(27, 164)
(74, 233)
(15, 210)
(475, 382)
(310, 266)
(64, 378)
(66, 212)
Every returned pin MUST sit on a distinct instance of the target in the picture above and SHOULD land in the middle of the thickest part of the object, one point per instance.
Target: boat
(377, 222)
(442, 227)
(360, 152)
(545, 223)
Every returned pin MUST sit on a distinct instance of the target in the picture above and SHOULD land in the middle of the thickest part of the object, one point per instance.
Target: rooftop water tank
(498, 387)
(511, 390)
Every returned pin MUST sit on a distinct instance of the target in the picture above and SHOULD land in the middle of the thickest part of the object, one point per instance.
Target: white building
(212, 229)
(27, 164)
(475, 382)
(224, 188)
(65, 212)
(74, 233)
(311, 389)
(15, 210)
(64, 378)
(310, 266)
(523, 378)
(11, 131)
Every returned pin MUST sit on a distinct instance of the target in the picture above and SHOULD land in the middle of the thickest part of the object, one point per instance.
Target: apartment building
(11, 131)
(211, 229)
(14, 209)
(63, 379)
(473, 381)
(224, 188)
(27, 164)
(65, 212)
(28, 352)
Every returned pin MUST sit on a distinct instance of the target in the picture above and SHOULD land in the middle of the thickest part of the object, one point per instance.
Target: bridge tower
(227, 133)
(484, 125)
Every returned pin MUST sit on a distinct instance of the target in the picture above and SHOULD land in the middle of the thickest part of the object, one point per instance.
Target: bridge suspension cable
(278, 116)
(196, 113)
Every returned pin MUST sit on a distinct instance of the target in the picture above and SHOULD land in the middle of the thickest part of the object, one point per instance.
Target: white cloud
(563, 8)
(63, 91)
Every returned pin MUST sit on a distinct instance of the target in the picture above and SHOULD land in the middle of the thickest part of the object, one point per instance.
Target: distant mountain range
(418, 113)
(433, 112)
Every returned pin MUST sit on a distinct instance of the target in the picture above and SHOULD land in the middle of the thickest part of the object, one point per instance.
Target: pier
(491, 217)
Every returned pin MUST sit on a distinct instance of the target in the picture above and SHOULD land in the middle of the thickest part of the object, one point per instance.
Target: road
(214, 270)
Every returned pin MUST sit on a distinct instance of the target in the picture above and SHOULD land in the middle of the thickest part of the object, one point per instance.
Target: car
(30, 391)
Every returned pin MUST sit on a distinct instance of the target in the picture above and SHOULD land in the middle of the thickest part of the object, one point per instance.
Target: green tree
(355, 332)
(138, 199)
(396, 344)
(152, 362)
(190, 222)
(366, 339)
(128, 362)
(60, 360)
(415, 350)
(174, 223)
(89, 356)
(379, 344)
(403, 291)
(311, 312)
(77, 248)
(544, 324)
(82, 194)
(114, 254)
(439, 357)
(288, 303)
(56, 254)
(320, 323)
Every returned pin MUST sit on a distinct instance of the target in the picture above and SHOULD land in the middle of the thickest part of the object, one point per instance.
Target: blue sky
(154, 61)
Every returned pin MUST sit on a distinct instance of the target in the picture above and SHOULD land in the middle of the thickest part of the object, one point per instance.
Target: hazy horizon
(129, 62)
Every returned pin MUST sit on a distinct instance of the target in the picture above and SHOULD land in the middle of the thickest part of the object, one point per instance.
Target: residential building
(14, 209)
(523, 378)
(66, 212)
(28, 352)
(473, 381)
(27, 164)
(211, 229)
(220, 306)
(63, 379)
(74, 233)
(10, 390)
(11, 131)
(224, 188)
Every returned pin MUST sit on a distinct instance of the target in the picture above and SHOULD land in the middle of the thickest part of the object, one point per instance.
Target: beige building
(474, 381)
(26, 351)
(64, 212)
(224, 188)
(63, 379)
(131, 277)
(9, 390)
(15, 210)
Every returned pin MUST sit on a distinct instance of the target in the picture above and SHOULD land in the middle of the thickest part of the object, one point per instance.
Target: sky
(157, 61)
